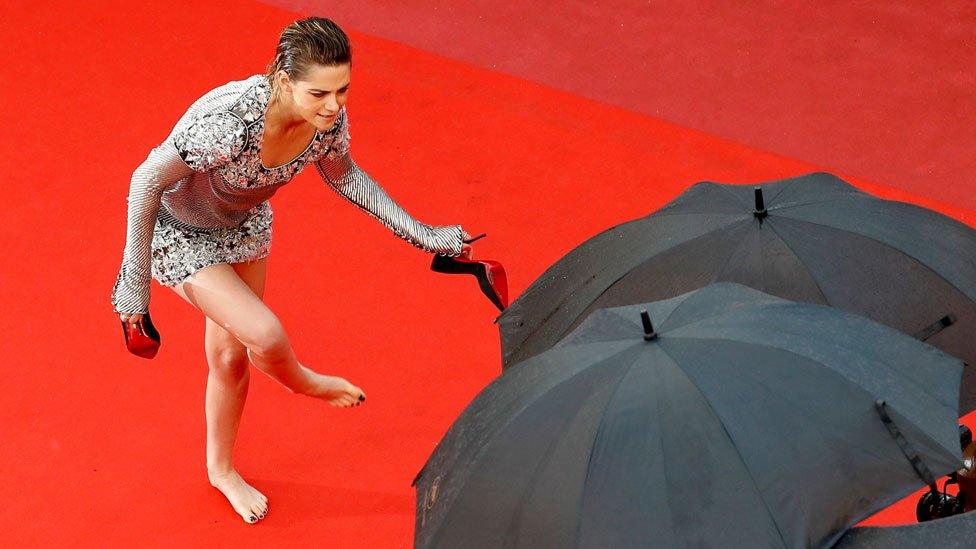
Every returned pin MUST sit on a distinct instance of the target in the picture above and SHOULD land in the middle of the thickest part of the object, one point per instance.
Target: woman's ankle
(219, 469)
(305, 382)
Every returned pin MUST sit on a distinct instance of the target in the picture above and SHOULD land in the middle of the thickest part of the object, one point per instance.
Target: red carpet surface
(101, 448)
(880, 90)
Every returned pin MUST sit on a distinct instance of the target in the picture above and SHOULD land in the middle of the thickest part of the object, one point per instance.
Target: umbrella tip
(760, 211)
(649, 333)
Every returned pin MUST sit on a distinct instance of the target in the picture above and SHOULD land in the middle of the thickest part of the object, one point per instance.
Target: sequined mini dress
(201, 197)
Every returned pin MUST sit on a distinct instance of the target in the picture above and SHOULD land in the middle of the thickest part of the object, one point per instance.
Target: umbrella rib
(559, 305)
(660, 441)
(544, 460)
(816, 283)
(726, 188)
(828, 440)
(901, 375)
(738, 452)
(792, 352)
(589, 457)
(889, 246)
(718, 272)
(491, 435)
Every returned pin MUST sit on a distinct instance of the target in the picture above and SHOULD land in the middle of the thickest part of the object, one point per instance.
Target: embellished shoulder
(211, 140)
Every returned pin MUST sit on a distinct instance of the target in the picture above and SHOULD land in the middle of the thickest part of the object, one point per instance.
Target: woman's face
(319, 96)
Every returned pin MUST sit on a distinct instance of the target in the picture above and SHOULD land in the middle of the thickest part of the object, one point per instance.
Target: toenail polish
(253, 518)
(362, 398)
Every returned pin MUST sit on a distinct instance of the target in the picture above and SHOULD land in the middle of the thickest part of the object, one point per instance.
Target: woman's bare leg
(223, 297)
(227, 385)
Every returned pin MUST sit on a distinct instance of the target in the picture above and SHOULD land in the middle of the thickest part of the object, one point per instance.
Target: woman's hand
(131, 317)
(466, 249)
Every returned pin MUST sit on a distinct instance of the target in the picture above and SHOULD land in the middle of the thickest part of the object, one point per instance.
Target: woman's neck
(280, 115)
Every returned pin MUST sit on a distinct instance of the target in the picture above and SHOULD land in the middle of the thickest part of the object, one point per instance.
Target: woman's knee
(269, 339)
(228, 360)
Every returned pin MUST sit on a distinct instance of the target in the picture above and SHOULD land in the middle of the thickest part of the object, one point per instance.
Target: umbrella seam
(806, 335)
(589, 459)
(901, 375)
(889, 246)
(479, 454)
(734, 445)
(567, 331)
(816, 282)
(914, 424)
(854, 520)
(544, 460)
(585, 283)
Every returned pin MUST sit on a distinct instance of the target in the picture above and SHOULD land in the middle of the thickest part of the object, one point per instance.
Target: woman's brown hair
(305, 43)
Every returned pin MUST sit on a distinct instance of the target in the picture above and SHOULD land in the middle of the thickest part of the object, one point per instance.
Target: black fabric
(823, 242)
(957, 532)
(749, 421)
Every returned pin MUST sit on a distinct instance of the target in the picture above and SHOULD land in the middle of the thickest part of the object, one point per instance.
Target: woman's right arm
(211, 140)
(161, 169)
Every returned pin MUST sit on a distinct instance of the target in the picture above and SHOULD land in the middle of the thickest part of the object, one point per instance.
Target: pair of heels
(490, 274)
(141, 338)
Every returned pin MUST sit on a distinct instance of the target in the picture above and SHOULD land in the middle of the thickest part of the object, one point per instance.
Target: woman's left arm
(346, 178)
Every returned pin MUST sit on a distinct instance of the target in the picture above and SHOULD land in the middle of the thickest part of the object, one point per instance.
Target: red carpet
(880, 90)
(103, 448)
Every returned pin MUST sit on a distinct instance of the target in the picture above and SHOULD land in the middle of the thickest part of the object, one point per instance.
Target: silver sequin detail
(212, 140)
(179, 251)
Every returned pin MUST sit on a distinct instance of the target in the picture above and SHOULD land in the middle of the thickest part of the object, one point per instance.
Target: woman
(199, 222)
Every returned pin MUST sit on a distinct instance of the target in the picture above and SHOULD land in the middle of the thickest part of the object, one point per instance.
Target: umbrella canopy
(956, 532)
(814, 239)
(745, 420)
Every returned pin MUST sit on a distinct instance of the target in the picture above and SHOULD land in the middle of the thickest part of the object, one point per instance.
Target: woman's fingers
(130, 317)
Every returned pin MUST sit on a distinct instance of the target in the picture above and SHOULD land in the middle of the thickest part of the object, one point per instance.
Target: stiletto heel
(490, 274)
(141, 338)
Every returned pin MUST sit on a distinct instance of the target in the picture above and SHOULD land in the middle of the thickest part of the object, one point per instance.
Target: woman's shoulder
(225, 95)
(231, 97)
(214, 128)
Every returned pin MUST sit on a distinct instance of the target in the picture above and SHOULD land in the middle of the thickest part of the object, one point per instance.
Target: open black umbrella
(957, 532)
(812, 238)
(738, 420)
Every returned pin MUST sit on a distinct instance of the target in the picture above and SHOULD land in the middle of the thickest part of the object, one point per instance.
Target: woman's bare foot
(250, 504)
(337, 391)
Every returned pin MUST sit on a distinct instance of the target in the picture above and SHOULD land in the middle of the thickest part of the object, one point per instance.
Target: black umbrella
(957, 532)
(738, 420)
(813, 238)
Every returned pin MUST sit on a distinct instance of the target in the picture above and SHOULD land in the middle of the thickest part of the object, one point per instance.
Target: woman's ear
(284, 83)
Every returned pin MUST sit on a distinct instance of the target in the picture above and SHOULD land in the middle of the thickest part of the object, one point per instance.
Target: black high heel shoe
(490, 274)
(141, 338)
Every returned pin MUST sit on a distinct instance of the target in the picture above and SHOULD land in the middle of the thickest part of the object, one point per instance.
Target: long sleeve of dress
(162, 168)
(206, 143)
(346, 178)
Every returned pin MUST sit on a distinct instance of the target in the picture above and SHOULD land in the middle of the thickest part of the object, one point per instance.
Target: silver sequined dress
(201, 196)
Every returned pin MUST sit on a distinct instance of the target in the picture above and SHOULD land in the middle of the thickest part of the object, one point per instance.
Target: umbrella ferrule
(649, 333)
(760, 211)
